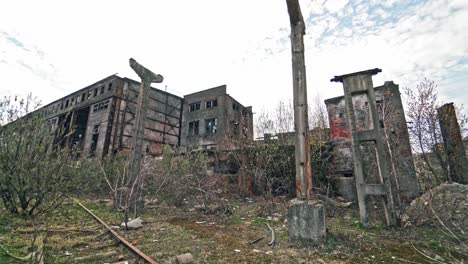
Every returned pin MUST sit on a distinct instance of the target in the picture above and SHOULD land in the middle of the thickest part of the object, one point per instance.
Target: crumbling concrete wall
(233, 125)
(453, 143)
(392, 119)
(109, 105)
(162, 123)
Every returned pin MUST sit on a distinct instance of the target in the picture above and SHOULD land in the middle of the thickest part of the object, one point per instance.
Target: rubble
(447, 204)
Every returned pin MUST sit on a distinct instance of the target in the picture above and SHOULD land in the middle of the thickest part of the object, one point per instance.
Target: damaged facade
(212, 119)
(393, 122)
(101, 116)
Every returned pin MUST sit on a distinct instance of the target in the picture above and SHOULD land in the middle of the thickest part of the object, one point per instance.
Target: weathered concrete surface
(391, 114)
(345, 187)
(306, 221)
(301, 124)
(234, 122)
(453, 143)
(447, 203)
(103, 116)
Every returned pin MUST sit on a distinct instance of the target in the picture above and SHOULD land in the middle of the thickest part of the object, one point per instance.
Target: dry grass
(168, 231)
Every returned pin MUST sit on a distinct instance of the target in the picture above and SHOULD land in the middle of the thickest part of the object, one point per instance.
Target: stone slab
(306, 221)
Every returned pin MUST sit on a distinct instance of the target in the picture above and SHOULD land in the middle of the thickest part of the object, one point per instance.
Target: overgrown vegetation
(35, 171)
(184, 179)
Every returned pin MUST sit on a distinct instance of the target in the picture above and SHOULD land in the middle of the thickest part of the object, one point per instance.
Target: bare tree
(425, 134)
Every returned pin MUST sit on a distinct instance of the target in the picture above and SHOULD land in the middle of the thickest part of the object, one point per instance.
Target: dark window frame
(194, 128)
(211, 103)
(194, 106)
(211, 125)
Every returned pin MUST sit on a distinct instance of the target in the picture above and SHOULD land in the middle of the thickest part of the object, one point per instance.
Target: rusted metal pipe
(116, 235)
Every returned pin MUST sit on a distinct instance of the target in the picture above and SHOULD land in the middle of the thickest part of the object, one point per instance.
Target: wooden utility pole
(136, 153)
(301, 120)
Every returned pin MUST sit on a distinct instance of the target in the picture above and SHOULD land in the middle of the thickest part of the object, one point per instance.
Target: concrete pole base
(306, 222)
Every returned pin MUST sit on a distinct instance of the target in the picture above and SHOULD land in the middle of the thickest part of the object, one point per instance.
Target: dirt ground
(73, 236)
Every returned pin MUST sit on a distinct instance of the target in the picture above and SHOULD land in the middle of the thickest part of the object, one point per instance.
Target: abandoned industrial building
(392, 119)
(213, 119)
(100, 117)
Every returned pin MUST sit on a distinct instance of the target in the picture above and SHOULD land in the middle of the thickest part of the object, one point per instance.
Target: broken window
(96, 129)
(89, 95)
(78, 99)
(245, 113)
(235, 127)
(100, 106)
(109, 87)
(381, 111)
(235, 107)
(66, 103)
(95, 92)
(211, 125)
(194, 127)
(211, 103)
(94, 139)
(102, 89)
(245, 131)
(195, 106)
(83, 97)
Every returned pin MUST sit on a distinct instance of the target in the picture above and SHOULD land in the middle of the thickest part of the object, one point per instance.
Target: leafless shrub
(36, 168)
(425, 134)
(184, 180)
(125, 190)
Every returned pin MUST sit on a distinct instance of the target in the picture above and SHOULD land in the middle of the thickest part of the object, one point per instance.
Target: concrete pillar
(345, 187)
(453, 142)
(136, 153)
(306, 222)
(306, 217)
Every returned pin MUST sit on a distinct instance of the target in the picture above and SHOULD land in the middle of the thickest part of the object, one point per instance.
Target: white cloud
(335, 5)
(245, 44)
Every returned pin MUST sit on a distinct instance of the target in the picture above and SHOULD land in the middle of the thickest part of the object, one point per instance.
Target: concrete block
(306, 221)
(345, 187)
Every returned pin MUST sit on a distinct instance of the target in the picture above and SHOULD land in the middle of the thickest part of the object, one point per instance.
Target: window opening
(245, 131)
(99, 106)
(211, 125)
(195, 106)
(194, 127)
(211, 103)
(94, 139)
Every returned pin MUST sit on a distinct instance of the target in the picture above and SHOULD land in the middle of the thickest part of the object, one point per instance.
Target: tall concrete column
(301, 124)
(306, 217)
(136, 152)
(453, 142)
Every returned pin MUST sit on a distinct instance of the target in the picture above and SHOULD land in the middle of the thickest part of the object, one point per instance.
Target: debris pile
(446, 206)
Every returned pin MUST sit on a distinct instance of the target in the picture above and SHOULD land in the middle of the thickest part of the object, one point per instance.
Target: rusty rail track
(117, 236)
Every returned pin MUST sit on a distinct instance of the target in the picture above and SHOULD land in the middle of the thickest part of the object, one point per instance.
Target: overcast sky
(52, 48)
